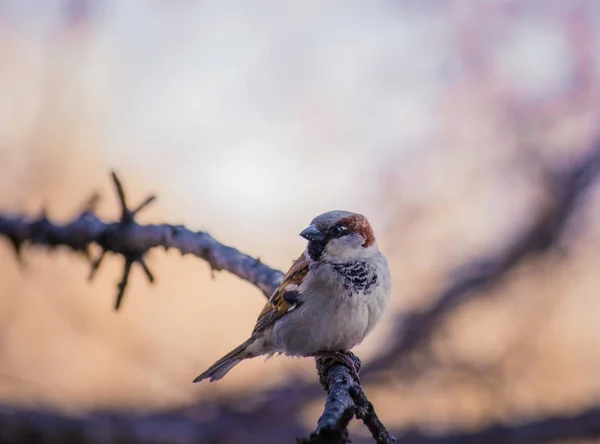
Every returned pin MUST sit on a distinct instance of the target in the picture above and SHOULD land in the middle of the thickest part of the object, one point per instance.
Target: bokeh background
(442, 121)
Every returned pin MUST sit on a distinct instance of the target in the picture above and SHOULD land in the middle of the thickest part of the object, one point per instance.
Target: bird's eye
(337, 231)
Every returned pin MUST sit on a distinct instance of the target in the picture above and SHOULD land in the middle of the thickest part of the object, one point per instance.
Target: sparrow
(328, 302)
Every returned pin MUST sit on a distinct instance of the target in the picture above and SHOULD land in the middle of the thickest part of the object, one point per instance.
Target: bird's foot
(345, 358)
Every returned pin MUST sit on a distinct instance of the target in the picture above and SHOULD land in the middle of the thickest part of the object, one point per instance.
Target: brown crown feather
(358, 223)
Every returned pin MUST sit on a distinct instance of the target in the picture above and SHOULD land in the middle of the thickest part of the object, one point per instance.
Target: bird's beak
(312, 234)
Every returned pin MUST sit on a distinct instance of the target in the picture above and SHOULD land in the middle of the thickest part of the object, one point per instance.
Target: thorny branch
(133, 241)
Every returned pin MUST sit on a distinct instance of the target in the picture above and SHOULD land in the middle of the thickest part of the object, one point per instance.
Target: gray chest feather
(357, 276)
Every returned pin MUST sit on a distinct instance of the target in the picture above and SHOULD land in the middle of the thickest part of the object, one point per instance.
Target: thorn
(144, 204)
(16, 245)
(123, 284)
(43, 217)
(17, 248)
(207, 255)
(90, 205)
(125, 213)
(96, 265)
(144, 266)
(86, 252)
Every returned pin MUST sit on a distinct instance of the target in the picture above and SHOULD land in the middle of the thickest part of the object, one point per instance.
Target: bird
(327, 303)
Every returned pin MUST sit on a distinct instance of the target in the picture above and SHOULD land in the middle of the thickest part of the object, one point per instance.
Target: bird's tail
(227, 362)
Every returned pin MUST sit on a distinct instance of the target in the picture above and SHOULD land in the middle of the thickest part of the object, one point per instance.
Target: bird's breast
(357, 277)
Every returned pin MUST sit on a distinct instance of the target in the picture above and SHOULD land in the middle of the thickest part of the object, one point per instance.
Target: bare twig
(366, 412)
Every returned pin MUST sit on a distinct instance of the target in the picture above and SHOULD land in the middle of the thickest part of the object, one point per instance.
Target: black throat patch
(315, 250)
(358, 276)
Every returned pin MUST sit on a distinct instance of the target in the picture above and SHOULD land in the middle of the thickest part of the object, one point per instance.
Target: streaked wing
(285, 298)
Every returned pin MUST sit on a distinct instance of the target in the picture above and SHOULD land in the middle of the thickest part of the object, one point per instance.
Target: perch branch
(345, 399)
(336, 380)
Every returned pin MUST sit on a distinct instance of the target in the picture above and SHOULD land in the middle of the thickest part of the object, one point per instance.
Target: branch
(584, 425)
(366, 412)
(333, 433)
(569, 188)
(259, 426)
(133, 241)
(345, 399)
(336, 379)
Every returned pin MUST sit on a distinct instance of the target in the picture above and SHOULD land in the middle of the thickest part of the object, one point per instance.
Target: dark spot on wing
(291, 297)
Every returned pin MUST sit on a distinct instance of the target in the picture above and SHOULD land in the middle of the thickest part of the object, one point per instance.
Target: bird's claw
(347, 359)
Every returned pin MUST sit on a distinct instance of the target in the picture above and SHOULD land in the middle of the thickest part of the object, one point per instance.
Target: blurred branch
(584, 425)
(133, 241)
(26, 427)
(568, 188)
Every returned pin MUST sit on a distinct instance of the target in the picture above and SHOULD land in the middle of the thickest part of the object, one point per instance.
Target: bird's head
(340, 236)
